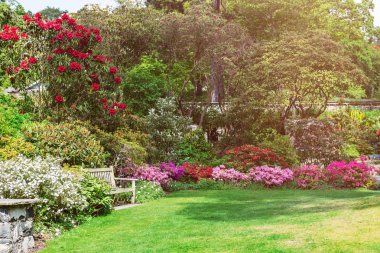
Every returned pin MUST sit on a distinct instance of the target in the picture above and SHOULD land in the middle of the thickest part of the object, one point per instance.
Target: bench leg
(133, 192)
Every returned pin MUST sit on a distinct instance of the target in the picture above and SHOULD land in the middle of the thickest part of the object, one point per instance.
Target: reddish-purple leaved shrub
(228, 175)
(308, 176)
(349, 175)
(270, 176)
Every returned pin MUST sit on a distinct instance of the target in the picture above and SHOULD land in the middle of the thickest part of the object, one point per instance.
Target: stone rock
(27, 227)
(5, 230)
(27, 243)
(5, 248)
(17, 231)
(4, 216)
(17, 213)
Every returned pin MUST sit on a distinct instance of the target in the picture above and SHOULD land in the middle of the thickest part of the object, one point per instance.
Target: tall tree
(52, 13)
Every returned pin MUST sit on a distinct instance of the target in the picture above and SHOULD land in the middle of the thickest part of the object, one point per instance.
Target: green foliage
(194, 148)
(167, 130)
(97, 195)
(280, 144)
(303, 72)
(202, 184)
(357, 128)
(123, 145)
(73, 143)
(145, 83)
(128, 41)
(11, 121)
(52, 13)
(11, 147)
(147, 191)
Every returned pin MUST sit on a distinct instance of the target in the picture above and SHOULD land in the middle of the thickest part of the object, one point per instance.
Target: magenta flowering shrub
(228, 175)
(308, 176)
(270, 176)
(153, 174)
(173, 171)
(349, 175)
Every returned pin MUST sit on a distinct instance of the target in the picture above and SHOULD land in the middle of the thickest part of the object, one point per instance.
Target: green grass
(236, 221)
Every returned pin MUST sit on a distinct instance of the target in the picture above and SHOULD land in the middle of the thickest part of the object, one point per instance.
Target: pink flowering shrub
(349, 175)
(229, 175)
(153, 174)
(308, 176)
(270, 176)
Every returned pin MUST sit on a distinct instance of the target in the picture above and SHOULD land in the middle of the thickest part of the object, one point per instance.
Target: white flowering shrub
(147, 191)
(58, 190)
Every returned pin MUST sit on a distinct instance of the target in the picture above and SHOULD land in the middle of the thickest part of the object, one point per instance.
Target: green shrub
(97, 195)
(11, 147)
(122, 145)
(281, 145)
(11, 121)
(147, 191)
(194, 148)
(73, 143)
(145, 83)
(357, 129)
(167, 130)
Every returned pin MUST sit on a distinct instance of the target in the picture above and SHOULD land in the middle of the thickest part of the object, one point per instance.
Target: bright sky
(70, 5)
(74, 5)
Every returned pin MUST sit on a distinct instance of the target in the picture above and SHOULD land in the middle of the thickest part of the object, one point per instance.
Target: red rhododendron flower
(65, 16)
(61, 69)
(117, 80)
(104, 101)
(50, 58)
(37, 16)
(24, 35)
(69, 35)
(24, 65)
(60, 37)
(95, 87)
(113, 70)
(378, 133)
(122, 106)
(98, 38)
(111, 111)
(71, 22)
(32, 60)
(75, 66)
(100, 58)
(58, 99)
(58, 51)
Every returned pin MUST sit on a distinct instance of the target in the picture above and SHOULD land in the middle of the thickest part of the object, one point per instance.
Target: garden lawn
(236, 221)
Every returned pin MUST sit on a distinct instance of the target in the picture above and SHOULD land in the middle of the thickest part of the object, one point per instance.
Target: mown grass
(236, 221)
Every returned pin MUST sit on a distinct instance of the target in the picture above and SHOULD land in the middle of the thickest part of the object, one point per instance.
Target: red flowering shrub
(194, 172)
(247, 156)
(62, 54)
(309, 176)
(349, 175)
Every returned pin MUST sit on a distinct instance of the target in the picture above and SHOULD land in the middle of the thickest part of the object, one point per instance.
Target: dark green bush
(194, 148)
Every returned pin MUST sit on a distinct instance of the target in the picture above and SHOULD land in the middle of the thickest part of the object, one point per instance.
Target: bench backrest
(104, 174)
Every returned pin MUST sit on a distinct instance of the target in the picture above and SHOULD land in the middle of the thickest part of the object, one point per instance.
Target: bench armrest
(126, 179)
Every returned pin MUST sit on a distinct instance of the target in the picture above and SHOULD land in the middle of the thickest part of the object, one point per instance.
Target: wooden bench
(107, 175)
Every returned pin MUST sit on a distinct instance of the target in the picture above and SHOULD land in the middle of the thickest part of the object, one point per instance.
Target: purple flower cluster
(270, 176)
(230, 175)
(153, 174)
(173, 171)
